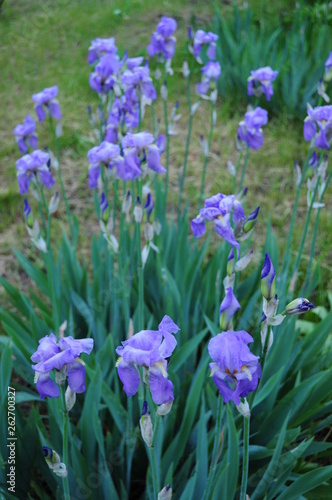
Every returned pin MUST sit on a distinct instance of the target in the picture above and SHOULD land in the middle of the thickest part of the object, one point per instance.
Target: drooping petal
(129, 376)
(161, 388)
(76, 376)
(198, 226)
(47, 387)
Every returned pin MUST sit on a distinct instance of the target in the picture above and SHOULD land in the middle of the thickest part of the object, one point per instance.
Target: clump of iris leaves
(292, 410)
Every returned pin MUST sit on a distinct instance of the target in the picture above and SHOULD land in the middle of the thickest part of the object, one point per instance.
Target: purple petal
(161, 388)
(47, 387)
(55, 110)
(129, 376)
(153, 160)
(198, 226)
(76, 376)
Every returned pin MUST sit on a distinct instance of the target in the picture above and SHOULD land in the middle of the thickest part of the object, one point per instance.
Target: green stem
(140, 278)
(66, 491)
(63, 191)
(245, 467)
(155, 473)
(182, 178)
(305, 230)
(287, 257)
(206, 155)
(217, 449)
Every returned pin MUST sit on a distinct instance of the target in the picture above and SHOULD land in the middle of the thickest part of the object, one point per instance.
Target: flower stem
(140, 273)
(245, 466)
(64, 195)
(217, 449)
(155, 473)
(206, 156)
(66, 491)
(182, 178)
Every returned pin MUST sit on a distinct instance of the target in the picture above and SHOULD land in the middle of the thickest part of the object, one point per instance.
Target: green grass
(46, 43)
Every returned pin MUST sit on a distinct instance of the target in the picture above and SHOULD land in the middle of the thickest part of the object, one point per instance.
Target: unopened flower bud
(104, 210)
(146, 425)
(165, 493)
(251, 221)
(228, 308)
(70, 397)
(149, 205)
(244, 409)
(185, 69)
(54, 463)
(165, 408)
(126, 204)
(268, 285)
(163, 92)
(138, 211)
(298, 306)
(54, 203)
(27, 213)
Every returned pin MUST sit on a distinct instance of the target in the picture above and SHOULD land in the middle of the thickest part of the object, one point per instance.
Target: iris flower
(151, 350)
(235, 370)
(63, 357)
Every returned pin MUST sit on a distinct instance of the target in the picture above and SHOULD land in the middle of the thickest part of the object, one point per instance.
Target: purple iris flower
(143, 142)
(261, 81)
(139, 78)
(62, 357)
(250, 130)
(104, 154)
(318, 125)
(228, 308)
(33, 164)
(218, 209)
(45, 100)
(210, 74)
(100, 47)
(235, 370)
(25, 136)
(103, 78)
(268, 274)
(162, 42)
(150, 349)
(202, 38)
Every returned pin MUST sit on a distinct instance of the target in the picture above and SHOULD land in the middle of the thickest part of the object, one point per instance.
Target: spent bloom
(250, 130)
(63, 357)
(235, 370)
(31, 165)
(162, 41)
(53, 461)
(318, 126)
(202, 38)
(151, 350)
(25, 135)
(46, 104)
(260, 82)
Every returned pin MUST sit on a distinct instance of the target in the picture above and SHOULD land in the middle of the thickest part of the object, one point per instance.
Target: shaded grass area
(46, 43)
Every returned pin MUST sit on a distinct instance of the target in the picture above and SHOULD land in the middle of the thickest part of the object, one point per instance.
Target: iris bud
(268, 285)
(298, 306)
